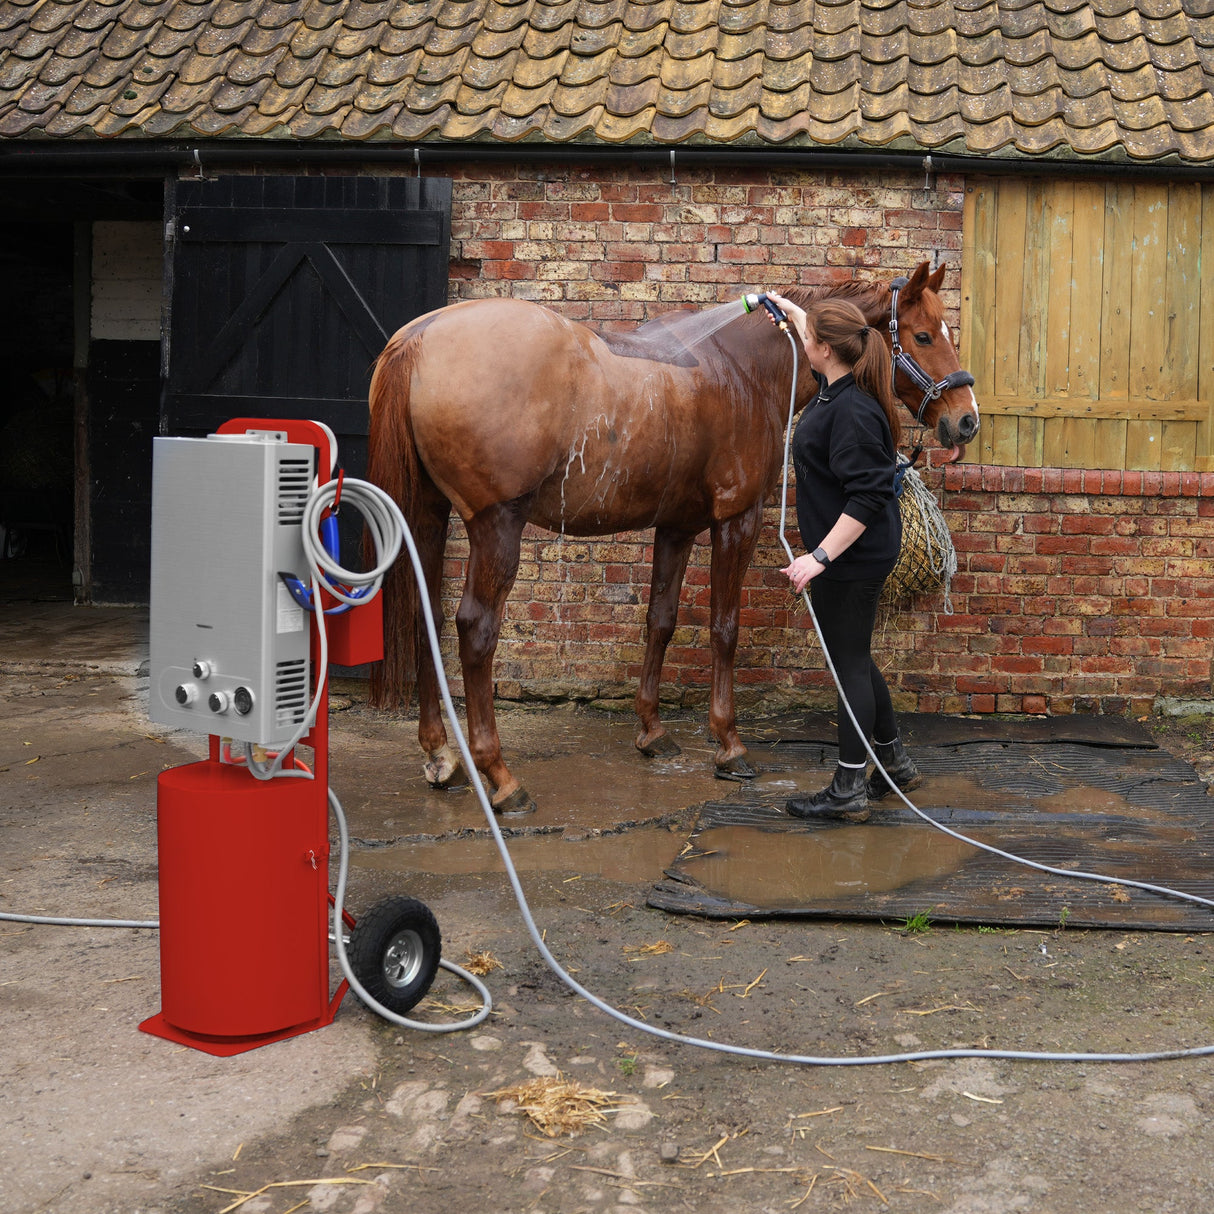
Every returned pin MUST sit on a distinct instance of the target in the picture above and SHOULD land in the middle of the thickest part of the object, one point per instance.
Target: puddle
(605, 811)
(597, 781)
(636, 856)
(785, 868)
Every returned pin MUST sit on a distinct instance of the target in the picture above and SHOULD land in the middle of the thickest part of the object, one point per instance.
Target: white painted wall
(128, 265)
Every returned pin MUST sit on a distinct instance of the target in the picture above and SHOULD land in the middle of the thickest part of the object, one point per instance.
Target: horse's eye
(923, 339)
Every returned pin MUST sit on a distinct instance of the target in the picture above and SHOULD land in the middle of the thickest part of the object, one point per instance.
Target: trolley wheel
(394, 952)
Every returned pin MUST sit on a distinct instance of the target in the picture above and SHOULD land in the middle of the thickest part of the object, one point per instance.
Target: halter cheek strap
(931, 389)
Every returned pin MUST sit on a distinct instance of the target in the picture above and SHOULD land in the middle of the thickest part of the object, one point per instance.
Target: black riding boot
(900, 766)
(843, 799)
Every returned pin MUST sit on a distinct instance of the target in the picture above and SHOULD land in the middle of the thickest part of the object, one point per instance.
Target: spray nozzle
(753, 301)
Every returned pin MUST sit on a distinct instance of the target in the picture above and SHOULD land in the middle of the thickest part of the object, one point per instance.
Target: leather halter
(931, 389)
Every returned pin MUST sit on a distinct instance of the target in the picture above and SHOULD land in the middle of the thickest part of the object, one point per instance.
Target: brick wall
(1072, 595)
(1076, 591)
(620, 245)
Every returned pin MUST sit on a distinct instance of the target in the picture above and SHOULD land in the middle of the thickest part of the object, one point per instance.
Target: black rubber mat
(1087, 793)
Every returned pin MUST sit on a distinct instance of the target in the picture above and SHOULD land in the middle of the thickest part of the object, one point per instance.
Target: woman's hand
(802, 571)
(796, 315)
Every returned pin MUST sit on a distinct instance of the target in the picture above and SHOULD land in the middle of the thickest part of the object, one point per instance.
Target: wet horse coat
(511, 414)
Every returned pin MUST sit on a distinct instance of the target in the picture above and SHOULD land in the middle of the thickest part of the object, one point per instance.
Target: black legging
(847, 612)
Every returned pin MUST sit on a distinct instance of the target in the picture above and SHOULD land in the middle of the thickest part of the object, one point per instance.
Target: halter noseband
(931, 389)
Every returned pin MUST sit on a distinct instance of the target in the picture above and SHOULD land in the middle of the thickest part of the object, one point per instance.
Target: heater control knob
(185, 694)
(242, 701)
(202, 669)
(218, 701)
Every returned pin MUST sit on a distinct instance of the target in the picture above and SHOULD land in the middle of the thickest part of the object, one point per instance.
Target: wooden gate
(1088, 322)
(284, 289)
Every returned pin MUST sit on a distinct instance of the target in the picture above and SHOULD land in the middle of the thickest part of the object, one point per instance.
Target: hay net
(928, 559)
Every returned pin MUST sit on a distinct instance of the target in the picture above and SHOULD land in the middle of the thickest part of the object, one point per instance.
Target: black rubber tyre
(394, 952)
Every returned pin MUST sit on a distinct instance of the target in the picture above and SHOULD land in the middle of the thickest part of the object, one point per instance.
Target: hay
(928, 559)
(558, 1106)
(481, 963)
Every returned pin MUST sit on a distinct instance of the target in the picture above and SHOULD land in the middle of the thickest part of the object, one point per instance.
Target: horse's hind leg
(494, 536)
(733, 545)
(671, 550)
(443, 767)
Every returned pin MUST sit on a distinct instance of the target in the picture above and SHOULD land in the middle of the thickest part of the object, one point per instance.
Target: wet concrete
(100, 1117)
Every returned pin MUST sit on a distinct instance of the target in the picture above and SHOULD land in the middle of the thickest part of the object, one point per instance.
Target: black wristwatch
(819, 555)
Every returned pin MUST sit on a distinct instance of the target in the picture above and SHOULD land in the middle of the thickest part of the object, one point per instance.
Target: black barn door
(284, 289)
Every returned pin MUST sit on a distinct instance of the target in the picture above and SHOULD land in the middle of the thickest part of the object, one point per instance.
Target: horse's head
(927, 374)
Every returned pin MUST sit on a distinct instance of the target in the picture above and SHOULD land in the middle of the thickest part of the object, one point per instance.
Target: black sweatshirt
(844, 458)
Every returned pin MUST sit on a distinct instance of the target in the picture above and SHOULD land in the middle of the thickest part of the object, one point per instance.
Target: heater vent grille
(290, 692)
(294, 477)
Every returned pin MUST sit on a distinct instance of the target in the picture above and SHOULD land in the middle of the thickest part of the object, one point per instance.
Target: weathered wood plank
(1009, 286)
(978, 288)
(1087, 278)
(1030, 445)
(1110, 448)
(1205, 357)
(1035, 320)
(1066, 406)
(1143, 445)
(1148, 327)
(1059, 215)
(1178, 446)
(1078, 442)
(1115, 287)
(1002, 439)
(1182, 309)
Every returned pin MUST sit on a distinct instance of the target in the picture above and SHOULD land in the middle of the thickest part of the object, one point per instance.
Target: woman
(844, 453)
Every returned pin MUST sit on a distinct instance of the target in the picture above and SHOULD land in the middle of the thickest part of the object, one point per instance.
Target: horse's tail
(393, 465)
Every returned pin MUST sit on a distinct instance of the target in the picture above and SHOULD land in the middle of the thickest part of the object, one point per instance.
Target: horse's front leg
(670, 552)
(494, 536)
(733, 545)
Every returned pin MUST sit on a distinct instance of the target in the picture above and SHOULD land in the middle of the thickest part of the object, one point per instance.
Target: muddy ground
(363, 1115)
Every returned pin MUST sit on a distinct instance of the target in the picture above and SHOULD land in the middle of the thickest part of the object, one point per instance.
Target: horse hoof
(516, 804)
(735, 769)
(661, 747)
(445, 770)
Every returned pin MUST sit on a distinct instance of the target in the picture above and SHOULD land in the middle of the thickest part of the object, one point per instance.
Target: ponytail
(841, 325)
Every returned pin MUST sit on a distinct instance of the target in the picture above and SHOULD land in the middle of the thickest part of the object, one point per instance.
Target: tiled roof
(1116, 78)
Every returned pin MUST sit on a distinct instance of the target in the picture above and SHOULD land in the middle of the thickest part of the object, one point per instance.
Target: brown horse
(514, 415)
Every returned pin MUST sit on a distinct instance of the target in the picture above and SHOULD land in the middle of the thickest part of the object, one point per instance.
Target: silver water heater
(229, 644)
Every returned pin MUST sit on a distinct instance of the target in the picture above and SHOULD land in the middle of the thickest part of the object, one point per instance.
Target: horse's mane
(673, 336)
(870, 297)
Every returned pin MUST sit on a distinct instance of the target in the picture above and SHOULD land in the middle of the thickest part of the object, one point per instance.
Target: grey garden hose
(538, 939)
(641, 1026)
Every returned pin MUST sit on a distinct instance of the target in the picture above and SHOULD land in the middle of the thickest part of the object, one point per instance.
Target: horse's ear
(918, 280)
(937, 279)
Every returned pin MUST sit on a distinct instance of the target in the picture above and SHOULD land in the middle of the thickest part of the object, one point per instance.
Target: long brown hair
(841, 325)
